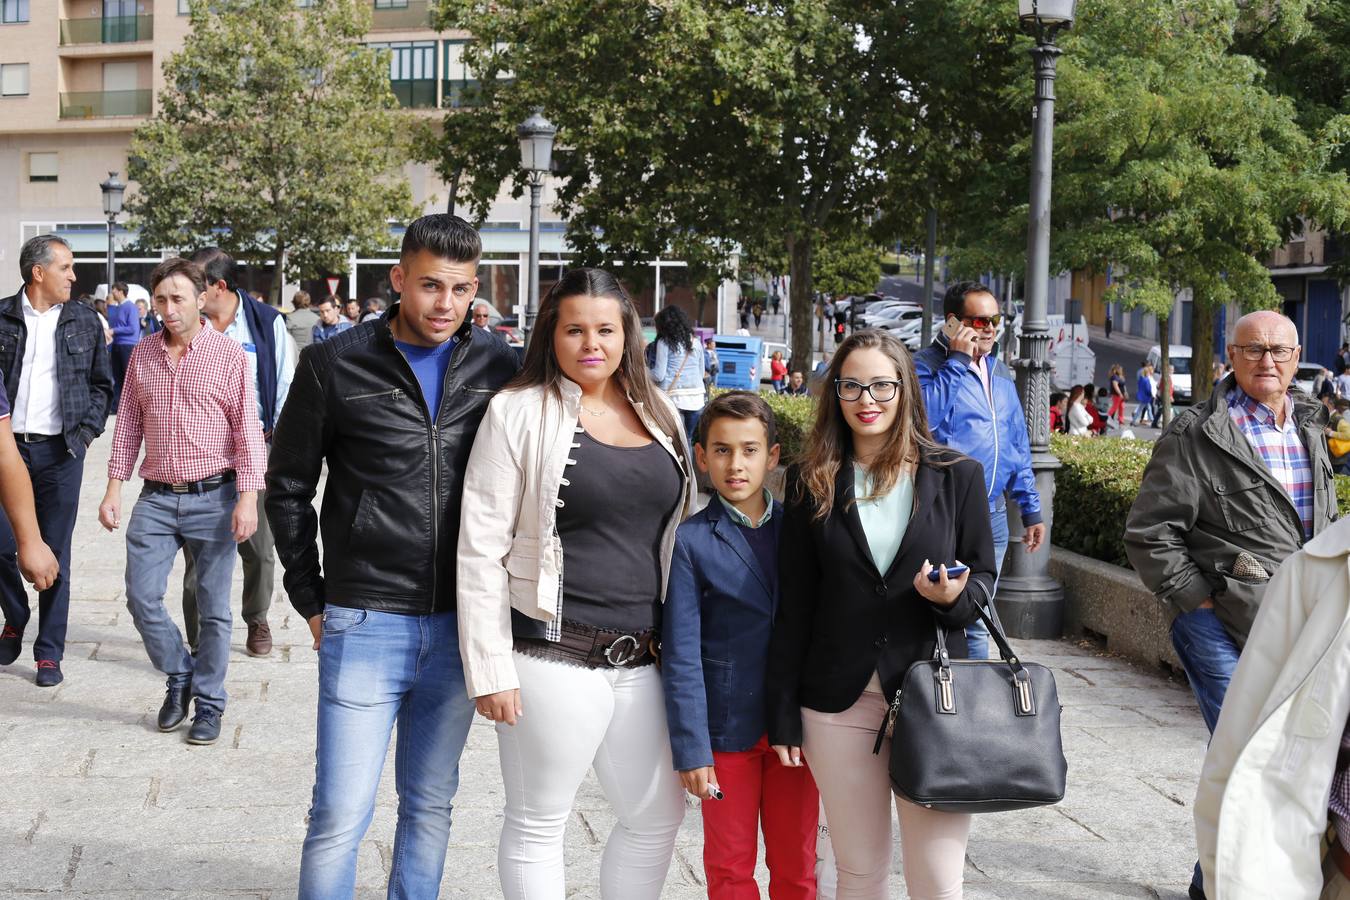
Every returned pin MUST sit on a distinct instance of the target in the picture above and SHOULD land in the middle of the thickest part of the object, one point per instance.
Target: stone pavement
(97, 804)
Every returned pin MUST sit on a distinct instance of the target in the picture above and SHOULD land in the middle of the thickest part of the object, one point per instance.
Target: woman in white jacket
(1261, 811)
(1080, 420)
(577, 481)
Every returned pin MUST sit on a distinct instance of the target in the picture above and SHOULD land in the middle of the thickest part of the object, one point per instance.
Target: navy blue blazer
(715, 630)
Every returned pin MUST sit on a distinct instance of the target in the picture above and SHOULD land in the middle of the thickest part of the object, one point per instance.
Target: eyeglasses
(979, 323)
(1254, 352)
(881, 391)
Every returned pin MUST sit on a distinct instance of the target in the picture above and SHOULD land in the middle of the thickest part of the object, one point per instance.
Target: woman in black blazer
(871, 510)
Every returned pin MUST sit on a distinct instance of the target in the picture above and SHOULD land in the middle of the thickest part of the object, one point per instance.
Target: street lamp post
(536, 157)
(112, 207)
(1030, 601)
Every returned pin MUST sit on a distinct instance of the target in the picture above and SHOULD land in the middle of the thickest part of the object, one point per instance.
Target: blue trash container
(738, 358)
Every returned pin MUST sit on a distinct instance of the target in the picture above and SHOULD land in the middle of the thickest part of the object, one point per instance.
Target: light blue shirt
(285, 354)
(885, 519)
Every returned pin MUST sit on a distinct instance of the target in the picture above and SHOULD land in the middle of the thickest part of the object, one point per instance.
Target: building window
(183, 9)
(459, 86)
(412, 71)
(12, 11)
(391, 4)
(14, 80)
(42, 167)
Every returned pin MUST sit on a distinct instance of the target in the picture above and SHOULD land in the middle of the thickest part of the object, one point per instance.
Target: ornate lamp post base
(1030, 602)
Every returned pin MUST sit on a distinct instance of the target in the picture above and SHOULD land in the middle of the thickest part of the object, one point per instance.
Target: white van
(1179, 358)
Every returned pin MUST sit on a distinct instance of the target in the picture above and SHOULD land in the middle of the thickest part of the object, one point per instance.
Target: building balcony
(458, 94)
(107, 30)
(415, 94)
(408, 15)
(105, 104)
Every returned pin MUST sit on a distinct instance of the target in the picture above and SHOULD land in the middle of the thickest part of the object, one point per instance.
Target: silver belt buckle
(179, 488)
(619, 654)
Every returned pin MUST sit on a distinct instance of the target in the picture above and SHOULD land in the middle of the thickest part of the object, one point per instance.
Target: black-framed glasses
(1254, 352)
(882, 391)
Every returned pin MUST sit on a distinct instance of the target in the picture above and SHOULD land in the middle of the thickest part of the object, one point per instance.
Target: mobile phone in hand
(952, 572)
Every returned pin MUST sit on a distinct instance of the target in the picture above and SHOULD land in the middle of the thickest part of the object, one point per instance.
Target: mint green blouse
(885, 519)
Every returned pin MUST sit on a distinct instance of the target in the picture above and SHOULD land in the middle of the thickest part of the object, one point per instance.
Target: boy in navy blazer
(718, 615)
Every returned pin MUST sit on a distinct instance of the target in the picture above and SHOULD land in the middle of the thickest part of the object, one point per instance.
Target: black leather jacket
(390, 517)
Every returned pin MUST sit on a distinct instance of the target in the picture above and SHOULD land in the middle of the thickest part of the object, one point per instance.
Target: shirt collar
(742, 519)
(1258, 410)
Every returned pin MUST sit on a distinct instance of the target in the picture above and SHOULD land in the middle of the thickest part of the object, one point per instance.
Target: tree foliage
(277, 137)
(848, 264)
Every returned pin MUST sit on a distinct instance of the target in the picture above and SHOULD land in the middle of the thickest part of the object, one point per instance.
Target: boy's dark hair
(737, 405)
(218, 265)
(954, 301)
(177, 265)
(443, 235)
(120, 286)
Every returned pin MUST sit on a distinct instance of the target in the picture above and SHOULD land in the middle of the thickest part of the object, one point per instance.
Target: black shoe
(48, 673)
(11, 641)
(1196, 893)
(175, 707)
(205, 727)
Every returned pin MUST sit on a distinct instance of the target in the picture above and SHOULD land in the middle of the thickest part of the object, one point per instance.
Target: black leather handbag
(976, 735)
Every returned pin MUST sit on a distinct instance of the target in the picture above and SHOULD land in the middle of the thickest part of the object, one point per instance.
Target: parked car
(1179, 357)
(1305, 375)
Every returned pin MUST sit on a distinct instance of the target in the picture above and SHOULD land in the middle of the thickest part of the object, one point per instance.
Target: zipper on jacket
(993, 412)
(435, 509)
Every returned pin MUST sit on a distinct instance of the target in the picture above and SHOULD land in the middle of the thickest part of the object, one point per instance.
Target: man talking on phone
(973, 407)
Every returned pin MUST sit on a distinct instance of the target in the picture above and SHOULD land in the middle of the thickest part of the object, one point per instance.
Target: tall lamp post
(536, 157)
(1030, 601)
(112, 207)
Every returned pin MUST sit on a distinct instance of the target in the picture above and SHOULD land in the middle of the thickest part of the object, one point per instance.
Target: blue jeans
(160, 525)
(690, 419)
(56, 475)
(977, 633)
(1209, 655)
(377, 669)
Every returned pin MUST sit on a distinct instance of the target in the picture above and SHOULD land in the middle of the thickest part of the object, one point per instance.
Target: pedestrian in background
(580, 459)
(759, 313)
(300, 321)
(777, 372)
(54, 361)
(1143, 394)
(331, 322)
(1117, 384)
(972, 406)
(149, 320)
(351, 311)
(1343, 382)
(1234, 487)
(711, 365)
(720, 605)
(391, 411)
(189, 400)
(125, 322)
(678, 366)
(1080, 420)
(372, 308)
(797, 386)
(261, 331)
(874, 507)
(1109, 325)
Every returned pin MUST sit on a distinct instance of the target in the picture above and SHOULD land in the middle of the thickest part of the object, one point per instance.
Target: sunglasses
(981, 322)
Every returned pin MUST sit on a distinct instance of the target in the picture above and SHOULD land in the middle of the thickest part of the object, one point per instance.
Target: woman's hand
(503, 706)
(945, 590)
(788, 756)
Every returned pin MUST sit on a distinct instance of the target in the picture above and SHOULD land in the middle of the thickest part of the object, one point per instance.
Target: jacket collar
(725, 528)
(944, 345)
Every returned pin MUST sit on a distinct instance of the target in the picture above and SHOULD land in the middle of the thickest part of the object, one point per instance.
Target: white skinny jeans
(574, 719)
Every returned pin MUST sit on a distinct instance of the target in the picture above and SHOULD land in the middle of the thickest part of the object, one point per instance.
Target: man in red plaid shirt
(188, 395)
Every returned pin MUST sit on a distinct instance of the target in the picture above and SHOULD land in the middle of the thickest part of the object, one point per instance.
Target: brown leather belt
(594, 648)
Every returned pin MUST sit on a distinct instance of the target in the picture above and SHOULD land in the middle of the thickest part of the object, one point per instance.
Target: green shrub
(1095, 487)
(793, 416)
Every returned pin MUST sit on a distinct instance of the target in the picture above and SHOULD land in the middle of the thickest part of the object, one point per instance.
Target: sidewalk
(98, 804)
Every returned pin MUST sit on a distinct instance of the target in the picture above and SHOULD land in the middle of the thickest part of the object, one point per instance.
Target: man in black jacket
(59, 382)
(392, 406)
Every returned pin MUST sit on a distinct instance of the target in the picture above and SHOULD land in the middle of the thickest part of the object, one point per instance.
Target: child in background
(720, 604)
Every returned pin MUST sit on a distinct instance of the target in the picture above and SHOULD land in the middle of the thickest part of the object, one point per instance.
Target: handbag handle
(1025, 703)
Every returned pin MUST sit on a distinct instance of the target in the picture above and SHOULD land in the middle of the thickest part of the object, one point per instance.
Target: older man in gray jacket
(1234, 488)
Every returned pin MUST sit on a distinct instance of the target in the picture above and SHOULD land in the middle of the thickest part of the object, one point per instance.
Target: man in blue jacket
(973, 407)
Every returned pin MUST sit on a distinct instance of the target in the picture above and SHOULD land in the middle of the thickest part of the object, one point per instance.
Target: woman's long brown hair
(541, 364)
(830, 443)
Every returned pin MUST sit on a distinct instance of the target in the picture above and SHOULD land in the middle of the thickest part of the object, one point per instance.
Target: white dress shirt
(37, 403)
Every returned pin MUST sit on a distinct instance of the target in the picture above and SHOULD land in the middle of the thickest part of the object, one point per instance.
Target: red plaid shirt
(198, 417)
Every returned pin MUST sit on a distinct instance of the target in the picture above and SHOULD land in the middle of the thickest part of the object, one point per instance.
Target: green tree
(690, 127)
(277, 138)
(848, 264)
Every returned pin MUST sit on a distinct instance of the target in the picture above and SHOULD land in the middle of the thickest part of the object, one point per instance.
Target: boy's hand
(700, 782)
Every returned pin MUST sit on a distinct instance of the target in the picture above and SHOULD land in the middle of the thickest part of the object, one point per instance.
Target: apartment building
(78, 76)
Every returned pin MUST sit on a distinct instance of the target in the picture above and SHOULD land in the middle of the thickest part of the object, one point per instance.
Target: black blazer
(839, 619)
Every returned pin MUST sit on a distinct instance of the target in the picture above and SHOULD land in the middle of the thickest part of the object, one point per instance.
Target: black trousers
(120, 355)
(56, 476)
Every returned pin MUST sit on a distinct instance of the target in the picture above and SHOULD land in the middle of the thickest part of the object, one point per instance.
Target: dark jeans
(120, 355)
(690, 419)
(56, 476)
(1209, 655)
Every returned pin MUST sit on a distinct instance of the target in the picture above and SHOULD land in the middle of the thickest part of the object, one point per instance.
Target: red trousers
(759, 790)
(1117, 409)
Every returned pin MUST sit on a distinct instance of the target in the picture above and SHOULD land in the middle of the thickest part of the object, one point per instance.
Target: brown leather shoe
(259, 641)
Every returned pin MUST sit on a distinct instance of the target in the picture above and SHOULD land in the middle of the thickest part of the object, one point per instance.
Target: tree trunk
(278, 274)
(1202, 351)
(800, 305)
(1164, 379)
